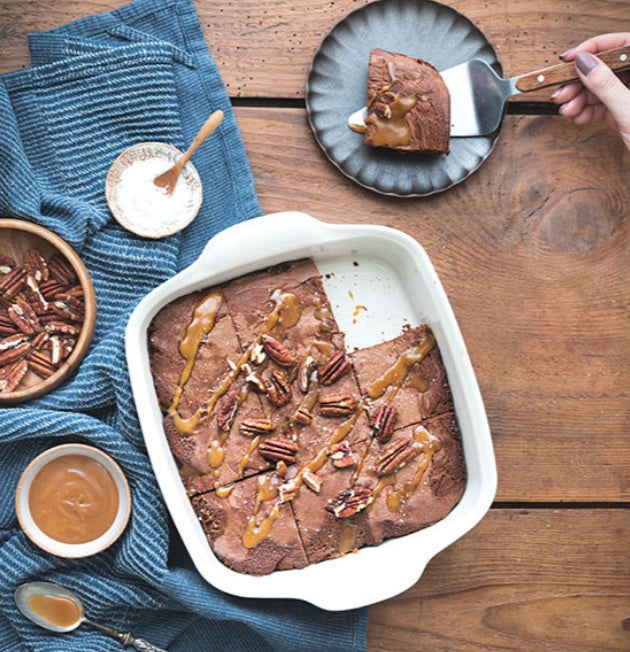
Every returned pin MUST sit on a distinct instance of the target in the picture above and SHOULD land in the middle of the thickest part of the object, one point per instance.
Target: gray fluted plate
(337, 86)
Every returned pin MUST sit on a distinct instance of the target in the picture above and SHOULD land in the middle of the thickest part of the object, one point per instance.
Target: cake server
(478, 94)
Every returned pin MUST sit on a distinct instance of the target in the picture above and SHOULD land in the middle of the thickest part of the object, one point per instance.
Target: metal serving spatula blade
(478, 94)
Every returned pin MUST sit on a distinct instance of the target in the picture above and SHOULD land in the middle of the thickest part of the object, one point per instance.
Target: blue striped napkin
(141, 72)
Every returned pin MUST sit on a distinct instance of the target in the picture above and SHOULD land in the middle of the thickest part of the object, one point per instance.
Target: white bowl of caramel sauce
(73, 500)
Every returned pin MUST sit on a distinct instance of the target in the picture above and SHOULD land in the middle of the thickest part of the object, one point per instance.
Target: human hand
(601, 94)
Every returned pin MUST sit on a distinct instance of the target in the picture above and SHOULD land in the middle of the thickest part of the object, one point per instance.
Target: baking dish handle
(242, 242)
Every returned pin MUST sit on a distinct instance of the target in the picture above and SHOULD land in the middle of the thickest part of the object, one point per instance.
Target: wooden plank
(533, 252)
(264, 49)
(522, 581)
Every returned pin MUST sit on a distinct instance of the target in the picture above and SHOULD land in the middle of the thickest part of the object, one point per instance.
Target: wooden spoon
(168, 179)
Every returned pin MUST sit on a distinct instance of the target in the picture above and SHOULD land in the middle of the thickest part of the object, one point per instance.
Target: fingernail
(557, 92)
(585, 62)
(562, 108)
(567, 52)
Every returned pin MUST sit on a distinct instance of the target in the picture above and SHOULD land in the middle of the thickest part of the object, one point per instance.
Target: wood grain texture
(263, 49)
(521, 581)
(533, 251)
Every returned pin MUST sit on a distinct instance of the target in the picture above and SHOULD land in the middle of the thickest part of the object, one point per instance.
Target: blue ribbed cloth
(141, 72)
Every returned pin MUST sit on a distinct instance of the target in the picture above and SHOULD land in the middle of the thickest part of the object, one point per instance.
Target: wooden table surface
(534, 253)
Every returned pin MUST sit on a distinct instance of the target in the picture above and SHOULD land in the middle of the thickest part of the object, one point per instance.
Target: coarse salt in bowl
(138, 204)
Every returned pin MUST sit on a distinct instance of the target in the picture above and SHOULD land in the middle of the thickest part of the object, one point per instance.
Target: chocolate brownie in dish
(409, 106)
(291, 449)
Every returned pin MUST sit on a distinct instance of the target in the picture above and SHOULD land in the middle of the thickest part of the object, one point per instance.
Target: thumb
(598, 78)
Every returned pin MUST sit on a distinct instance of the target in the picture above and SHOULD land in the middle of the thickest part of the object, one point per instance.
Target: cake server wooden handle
(617, 59)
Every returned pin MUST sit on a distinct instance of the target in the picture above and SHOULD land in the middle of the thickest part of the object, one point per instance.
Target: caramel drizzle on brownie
(286, 313)
(256, 531)
(202, 322)
(391, 128)
(396, 374)
(393, 378)
(428, 445)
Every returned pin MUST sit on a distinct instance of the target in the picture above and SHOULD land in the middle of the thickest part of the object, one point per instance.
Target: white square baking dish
(389, 274)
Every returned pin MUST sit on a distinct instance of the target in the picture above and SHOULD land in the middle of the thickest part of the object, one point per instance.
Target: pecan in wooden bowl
(47, 310)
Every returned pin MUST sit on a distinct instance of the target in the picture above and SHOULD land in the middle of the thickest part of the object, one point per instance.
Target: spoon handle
(207, 128)
(126, 638)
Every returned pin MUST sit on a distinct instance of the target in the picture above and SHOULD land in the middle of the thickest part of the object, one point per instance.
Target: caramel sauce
(245, 459)
(347, 541)
(216, 454)
(428, 445)
(55, 609)
(73, 499)
(325, 348)
(396, 374)
(393, 131)
(223, 491)
(255, 531)
(359, 467)
(203, 319)
(361, 129)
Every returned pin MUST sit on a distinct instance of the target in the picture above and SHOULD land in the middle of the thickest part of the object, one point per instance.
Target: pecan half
(307, 366)
(24, 317)
(301, 416)
(61, 269)
(312, 480)
(7, 327)
(334, 368)
(254, 426)
(51, 288)
(350, 501)
(35, 265)
(277, 351)
(40, 340)
(15, 353)
(61, 327)
(12, 341)
(227, 410)
(337, 405)
(383, 417)
(394, 456)
(276, 449)
(73, 291)
(278, 388)
(341, 456)
(40, 364)
(71, 309)
(11, 375)
(11, 283)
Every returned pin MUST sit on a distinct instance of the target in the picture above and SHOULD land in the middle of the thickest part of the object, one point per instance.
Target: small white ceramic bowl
(47, 543)
(139, 206)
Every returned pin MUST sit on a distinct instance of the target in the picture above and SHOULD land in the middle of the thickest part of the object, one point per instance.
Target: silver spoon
(33, 598)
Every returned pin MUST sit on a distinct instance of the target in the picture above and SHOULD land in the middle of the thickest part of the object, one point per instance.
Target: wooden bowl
(16, 237)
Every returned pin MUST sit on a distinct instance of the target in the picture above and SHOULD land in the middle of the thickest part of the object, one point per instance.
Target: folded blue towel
(141, 72)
